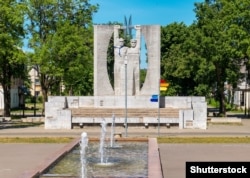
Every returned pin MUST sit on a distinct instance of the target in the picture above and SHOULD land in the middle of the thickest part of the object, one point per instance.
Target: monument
(63, 112)
(129, 57)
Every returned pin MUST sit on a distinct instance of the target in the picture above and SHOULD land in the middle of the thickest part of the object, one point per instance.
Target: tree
(176, 65)
(12, 58)
(202, 58)
(62, 39)
(214, 20)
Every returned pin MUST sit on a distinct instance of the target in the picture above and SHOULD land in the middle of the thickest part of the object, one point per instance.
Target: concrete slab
(17, 158)
(175, 156)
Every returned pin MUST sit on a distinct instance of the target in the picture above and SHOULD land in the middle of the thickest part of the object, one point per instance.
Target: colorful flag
(163, 85)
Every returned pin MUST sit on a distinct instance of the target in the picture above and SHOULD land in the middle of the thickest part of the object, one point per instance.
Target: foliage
(200, 59)
(62, 39)
(179, 62)
(222, 49)
(12, 58)
(143, 73)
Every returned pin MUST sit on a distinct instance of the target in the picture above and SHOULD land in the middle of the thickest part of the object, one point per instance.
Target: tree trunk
(45, 99)
(222, 101)
(7, 105)
(6, 84)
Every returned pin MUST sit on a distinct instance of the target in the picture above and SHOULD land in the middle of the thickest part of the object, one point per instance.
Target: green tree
(176, 63)
(218, 47)
(62, 39)
(12, 58)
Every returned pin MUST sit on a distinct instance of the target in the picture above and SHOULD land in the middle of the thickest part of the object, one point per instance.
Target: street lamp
(126, 104)
(34, 75)
(246, 87)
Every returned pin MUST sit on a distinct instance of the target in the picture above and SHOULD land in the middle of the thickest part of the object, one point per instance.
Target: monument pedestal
(119, 102)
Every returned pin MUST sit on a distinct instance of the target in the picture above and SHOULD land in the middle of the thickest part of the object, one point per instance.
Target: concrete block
(86, 101)
(177, 102)
(73, 102)
(181, 119)
(87, 120)
(62, 120)
(188, 116)
(151, 120)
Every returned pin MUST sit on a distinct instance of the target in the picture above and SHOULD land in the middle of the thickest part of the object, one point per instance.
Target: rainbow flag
(163, 85)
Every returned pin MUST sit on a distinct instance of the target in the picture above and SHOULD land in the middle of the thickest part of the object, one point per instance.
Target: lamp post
(126, 104)
(246, 88)
(245, 95)
(159, 97)
(34, 90)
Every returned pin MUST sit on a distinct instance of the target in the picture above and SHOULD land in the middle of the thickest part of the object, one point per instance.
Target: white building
(241, 94)
(14, 94)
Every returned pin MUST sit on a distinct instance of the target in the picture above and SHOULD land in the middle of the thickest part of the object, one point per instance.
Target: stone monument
(62, 112)
(133, 59)
(130, 56)
(120, 57)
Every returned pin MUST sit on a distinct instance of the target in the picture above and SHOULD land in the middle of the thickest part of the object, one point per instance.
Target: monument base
(62, 112)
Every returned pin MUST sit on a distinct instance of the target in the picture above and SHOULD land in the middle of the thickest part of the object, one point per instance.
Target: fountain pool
(131, 160)
(153, 158)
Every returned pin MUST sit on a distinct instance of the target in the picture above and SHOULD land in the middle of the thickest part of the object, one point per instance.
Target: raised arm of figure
(116, 35)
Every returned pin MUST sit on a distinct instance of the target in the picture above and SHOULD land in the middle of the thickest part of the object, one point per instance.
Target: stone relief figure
(120, 52)
(133, 57)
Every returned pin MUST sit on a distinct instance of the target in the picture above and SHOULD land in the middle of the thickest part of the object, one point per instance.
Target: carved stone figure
(133, 57)
(120, 52)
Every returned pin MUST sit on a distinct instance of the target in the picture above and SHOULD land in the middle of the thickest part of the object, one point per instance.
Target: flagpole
(159, 95)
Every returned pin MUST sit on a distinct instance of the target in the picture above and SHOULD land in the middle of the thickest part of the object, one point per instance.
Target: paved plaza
(16, 159)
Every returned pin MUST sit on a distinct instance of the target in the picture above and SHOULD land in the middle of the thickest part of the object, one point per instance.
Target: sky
(145, 12)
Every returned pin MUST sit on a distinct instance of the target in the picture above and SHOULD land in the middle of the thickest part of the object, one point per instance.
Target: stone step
(120, 112)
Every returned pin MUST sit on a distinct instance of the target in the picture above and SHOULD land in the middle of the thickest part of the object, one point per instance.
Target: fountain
(83, 145)
(99, 160)
(112, 132)
(102, 148)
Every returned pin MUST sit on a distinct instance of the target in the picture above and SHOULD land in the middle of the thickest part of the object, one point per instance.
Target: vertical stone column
(152, 36)
(200, 115)
(102, 35)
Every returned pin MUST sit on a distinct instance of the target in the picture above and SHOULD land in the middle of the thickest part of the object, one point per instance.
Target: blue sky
(145, 12)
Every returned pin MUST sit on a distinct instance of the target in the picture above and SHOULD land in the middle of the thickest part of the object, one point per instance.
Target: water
(112, 131)
(102, 142)
(128, 161)
(83, 147)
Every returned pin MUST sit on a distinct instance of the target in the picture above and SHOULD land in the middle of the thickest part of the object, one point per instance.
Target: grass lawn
(203, 140)
(160, 140)
(28, 111)
(35, 139)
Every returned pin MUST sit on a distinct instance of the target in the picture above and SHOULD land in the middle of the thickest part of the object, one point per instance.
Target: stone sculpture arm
(138, 36)
(116, 35)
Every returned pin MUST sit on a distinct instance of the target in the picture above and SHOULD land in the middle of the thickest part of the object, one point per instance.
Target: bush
(40, 99)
